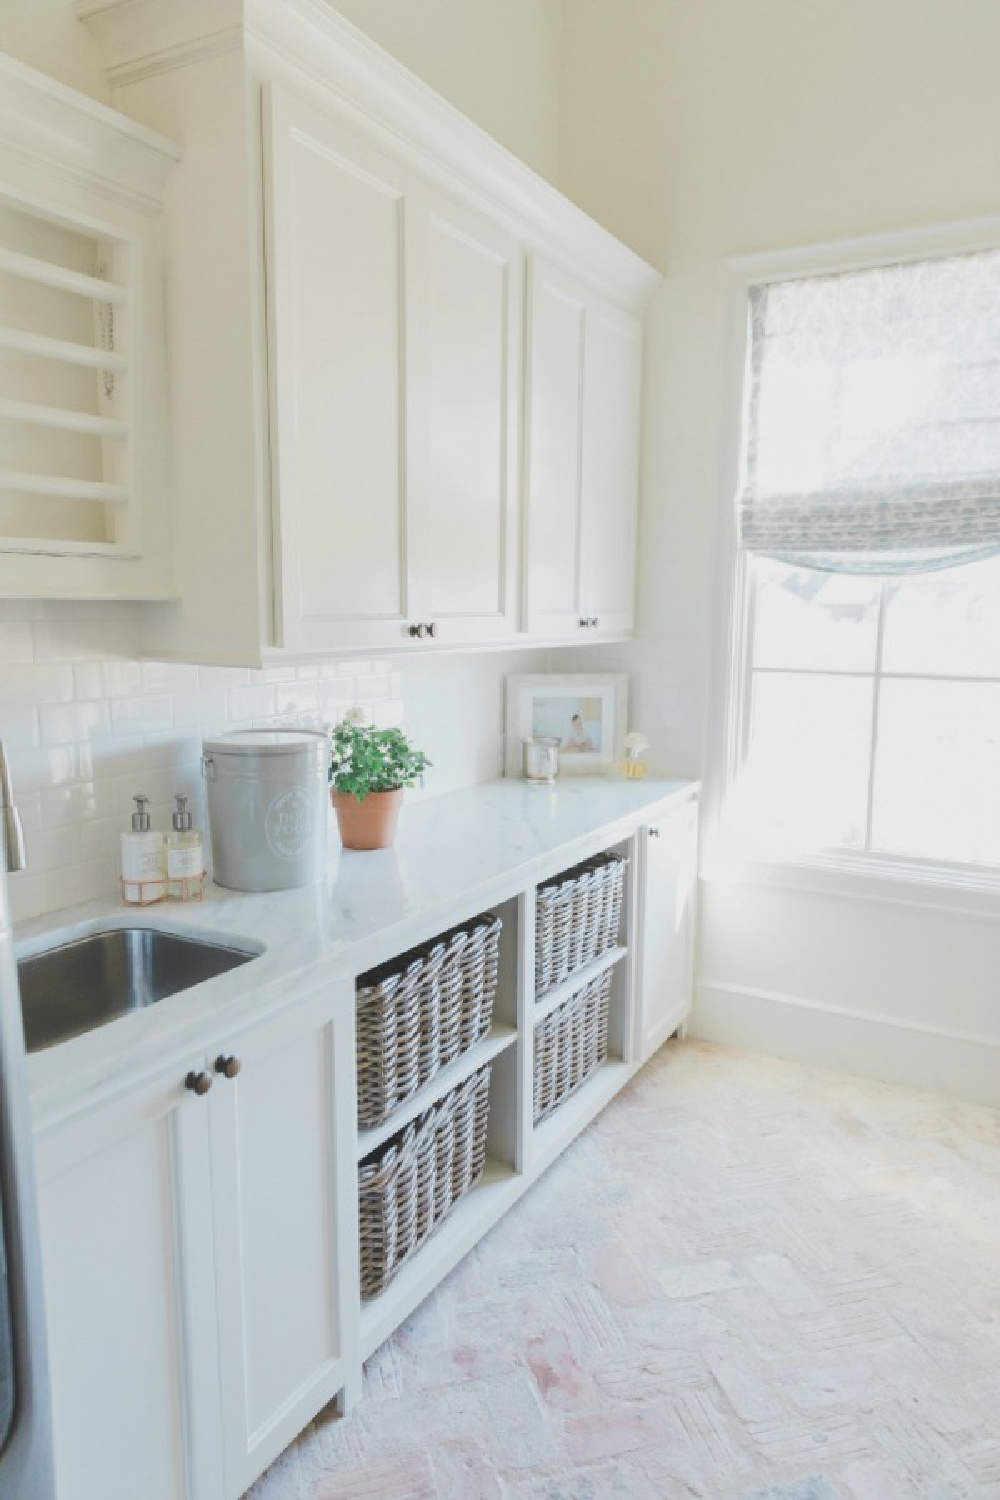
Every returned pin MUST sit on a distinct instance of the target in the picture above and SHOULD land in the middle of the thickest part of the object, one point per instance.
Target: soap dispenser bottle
(142, 859)
(185, 866)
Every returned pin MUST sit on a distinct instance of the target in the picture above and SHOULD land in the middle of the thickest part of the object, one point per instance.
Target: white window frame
(844, 872)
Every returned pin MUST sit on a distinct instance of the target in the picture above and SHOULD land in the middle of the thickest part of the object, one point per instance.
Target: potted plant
(369, 769)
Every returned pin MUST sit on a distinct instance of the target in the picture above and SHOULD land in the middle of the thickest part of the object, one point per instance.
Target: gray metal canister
(267, 802)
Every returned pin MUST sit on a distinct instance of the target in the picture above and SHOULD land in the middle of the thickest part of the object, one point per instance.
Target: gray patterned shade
(873, 422)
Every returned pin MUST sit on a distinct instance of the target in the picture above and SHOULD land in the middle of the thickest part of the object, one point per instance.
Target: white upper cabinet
(335, 235)
(581, 470)
(84, 467)
(393, 318)
(464, 278)
(352, 369)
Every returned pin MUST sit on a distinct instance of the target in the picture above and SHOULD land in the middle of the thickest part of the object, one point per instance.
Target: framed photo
(585, 712)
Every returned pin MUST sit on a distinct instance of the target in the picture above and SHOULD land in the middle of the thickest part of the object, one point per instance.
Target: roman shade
(873, 418)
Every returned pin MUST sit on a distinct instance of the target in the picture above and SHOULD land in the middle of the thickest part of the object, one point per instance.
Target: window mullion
(876, 704)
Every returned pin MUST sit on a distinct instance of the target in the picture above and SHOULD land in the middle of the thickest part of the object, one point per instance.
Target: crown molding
(49, 124)
(363, 82)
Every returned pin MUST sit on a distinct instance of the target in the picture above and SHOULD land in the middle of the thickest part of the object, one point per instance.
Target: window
(869, 712)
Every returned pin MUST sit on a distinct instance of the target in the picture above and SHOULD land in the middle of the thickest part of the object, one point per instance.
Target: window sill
(965, 889)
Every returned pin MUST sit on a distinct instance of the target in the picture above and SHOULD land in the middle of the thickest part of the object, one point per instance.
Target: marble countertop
(454, 856)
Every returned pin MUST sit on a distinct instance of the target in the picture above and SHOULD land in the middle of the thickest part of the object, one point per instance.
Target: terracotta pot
(370, 823)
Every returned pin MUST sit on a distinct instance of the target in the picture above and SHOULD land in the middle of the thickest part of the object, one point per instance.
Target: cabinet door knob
(584, 623)
(419, 631)
(198, 1083)
(654, 833)
(432, 629)
(227, 1066)
(594, 621)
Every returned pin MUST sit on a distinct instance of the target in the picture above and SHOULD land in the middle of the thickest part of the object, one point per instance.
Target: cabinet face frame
(289, 125)
(668, 860)
(581, 458)
(313, 1046)
(170, 1125)
(486, 289)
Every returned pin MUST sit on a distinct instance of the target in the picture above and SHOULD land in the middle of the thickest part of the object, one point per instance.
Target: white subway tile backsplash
(15, 641)
(143, 715)
(68, 723)
(19, 727)
(31, 683)
(87, 725)
(107, 679)
(169, 677)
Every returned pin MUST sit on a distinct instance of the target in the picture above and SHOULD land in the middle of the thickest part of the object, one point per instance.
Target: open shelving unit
(517, 1150)
(66, 406)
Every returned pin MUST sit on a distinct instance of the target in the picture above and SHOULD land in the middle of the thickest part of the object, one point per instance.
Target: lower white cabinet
(198, 1287)
(668, 872)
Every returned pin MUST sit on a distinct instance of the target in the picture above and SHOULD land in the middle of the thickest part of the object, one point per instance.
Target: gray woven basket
(577, 917)
(409, 1185)
(571, 1044)
(422, 1011)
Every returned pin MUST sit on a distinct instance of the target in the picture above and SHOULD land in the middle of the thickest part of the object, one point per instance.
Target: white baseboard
(963, 1064)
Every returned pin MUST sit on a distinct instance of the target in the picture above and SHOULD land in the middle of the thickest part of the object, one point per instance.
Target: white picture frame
(586, 711)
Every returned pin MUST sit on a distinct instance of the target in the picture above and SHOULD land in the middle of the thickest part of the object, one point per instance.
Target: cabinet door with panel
(335, 244)
(463, 320)
(668, 872)
(285, 1212)
(581, 469)
(125, 1207)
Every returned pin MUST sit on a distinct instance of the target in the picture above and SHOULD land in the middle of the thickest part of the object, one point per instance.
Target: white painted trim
(370, 89)
(44, 121)
(912, 1053)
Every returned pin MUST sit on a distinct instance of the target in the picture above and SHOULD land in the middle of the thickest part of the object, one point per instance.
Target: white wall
(498, 61)
(698, 131)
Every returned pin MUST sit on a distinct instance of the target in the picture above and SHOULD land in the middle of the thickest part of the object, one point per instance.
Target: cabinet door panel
(335, 314)
(463, 305)
(667, 925)
(126, 1224)
(279, 1232)
(610, 467)
(554, 404)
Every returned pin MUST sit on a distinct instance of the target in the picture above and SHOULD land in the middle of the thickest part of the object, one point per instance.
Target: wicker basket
(571, 1044)
(422, 1011)
(409, 1185)
(577, 916)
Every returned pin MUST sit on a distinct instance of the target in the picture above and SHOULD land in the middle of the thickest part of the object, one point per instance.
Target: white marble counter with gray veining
(454, 856)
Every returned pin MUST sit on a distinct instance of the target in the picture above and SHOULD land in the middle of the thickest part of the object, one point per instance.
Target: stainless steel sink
(68, 990)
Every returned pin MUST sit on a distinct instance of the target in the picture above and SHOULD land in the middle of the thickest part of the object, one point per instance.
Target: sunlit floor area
(747, 1280)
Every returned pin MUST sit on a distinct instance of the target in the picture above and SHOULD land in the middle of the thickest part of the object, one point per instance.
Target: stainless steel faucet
(13, 833)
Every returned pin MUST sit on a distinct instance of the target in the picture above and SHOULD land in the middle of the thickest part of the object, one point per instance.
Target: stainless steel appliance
(267, 806)
(26, 1462)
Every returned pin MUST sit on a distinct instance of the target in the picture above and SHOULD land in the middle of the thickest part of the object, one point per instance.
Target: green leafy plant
(364, 759)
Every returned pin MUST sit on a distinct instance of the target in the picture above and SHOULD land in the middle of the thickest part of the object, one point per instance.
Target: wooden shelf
(553, 998)
(496, 1041)
(468, 1221)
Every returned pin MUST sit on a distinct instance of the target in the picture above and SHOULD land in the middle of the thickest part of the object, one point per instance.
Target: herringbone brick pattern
(746, 1281)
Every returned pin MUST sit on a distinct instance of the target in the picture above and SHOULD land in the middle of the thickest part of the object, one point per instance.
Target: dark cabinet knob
(227, 1066)
(419, 631)
(594, 621)
(198, 1083)
(432, 629)
(654, 833)
(584, 624)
